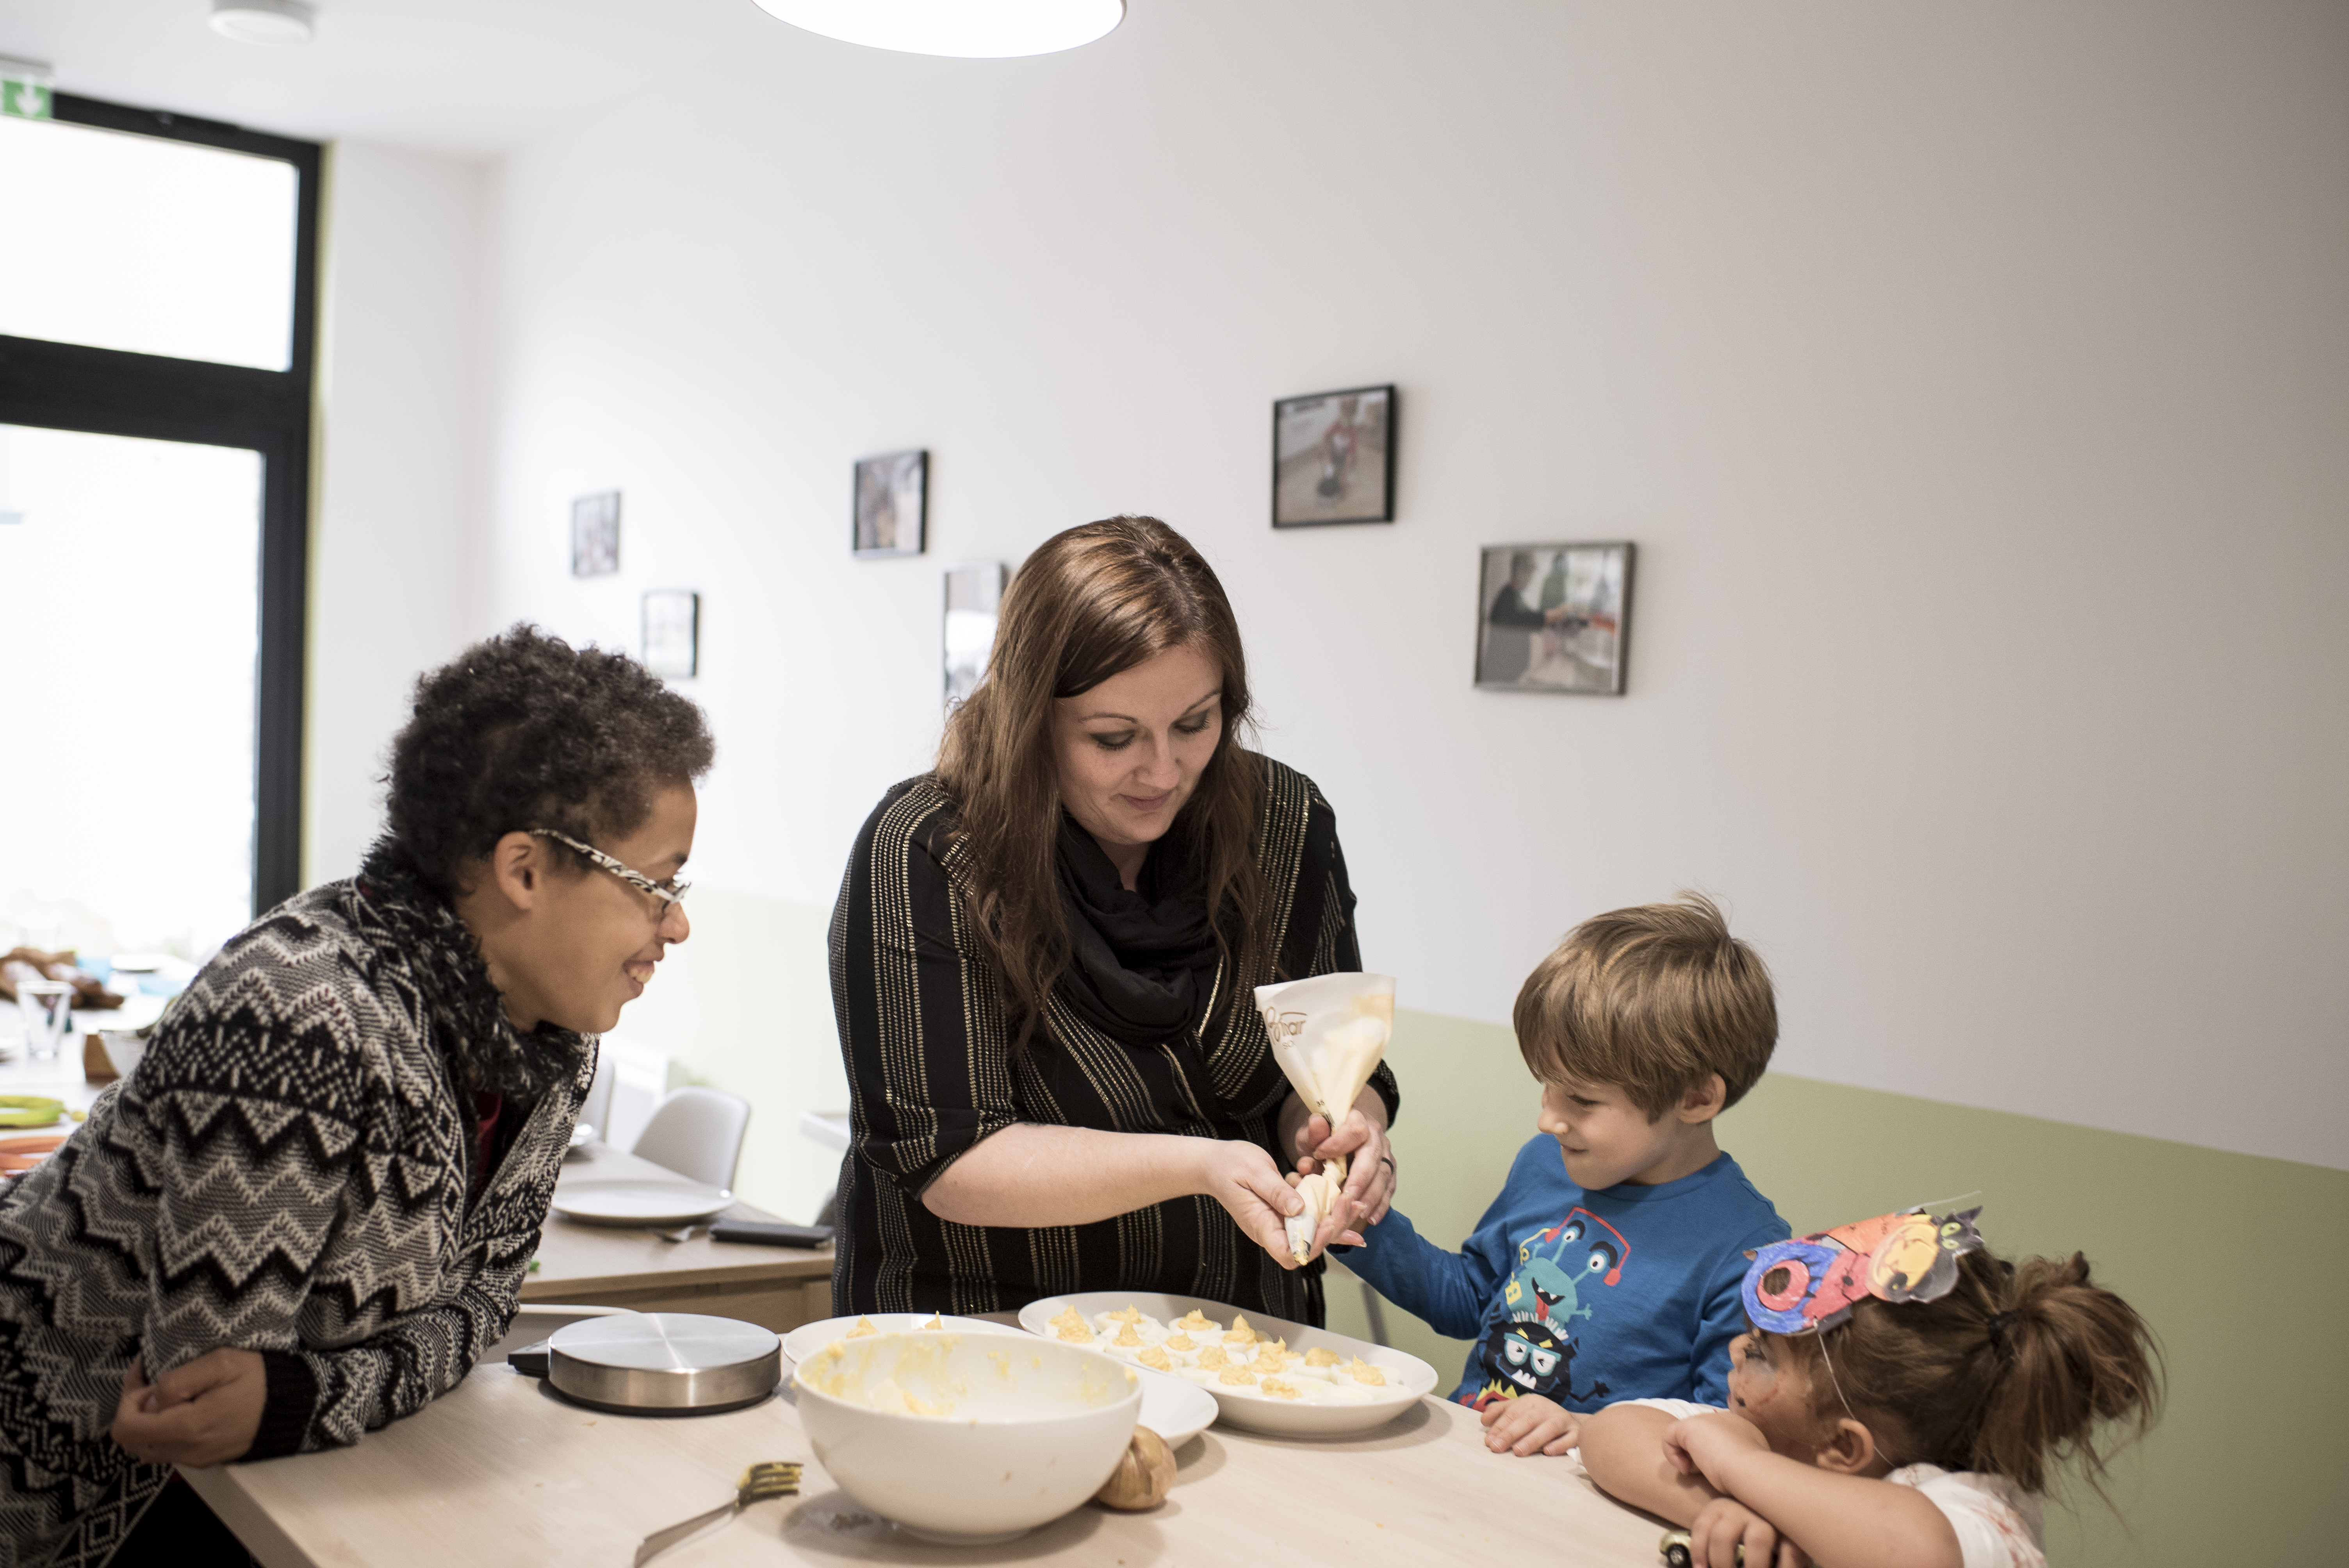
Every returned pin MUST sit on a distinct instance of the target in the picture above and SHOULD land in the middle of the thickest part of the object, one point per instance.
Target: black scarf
(442, 960)
(1142, 965)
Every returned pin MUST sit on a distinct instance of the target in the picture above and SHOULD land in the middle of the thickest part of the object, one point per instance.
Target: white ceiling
(471, 77)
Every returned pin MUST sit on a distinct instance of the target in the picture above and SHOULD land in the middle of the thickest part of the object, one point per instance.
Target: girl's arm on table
(1623, 1449)
(1837, 1518)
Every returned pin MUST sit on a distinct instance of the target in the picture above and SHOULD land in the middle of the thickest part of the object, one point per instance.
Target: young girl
(1901, 1401)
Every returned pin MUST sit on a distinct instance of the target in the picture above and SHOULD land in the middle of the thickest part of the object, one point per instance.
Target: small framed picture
(1334, 458)
(596, 535)
(673, 633)
(892, 503)
(974, 595)
(1553, 617)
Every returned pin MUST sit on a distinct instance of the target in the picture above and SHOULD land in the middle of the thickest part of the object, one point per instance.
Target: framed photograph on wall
(892, 503)
(974, 595)
(1553, 617)
(1334, 458)
(596, 535)
(673, 633)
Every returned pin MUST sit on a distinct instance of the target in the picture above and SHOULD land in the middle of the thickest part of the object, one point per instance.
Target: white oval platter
(1409, 1379)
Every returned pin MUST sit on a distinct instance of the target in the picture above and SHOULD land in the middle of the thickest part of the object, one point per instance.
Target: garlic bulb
(1145, 1472)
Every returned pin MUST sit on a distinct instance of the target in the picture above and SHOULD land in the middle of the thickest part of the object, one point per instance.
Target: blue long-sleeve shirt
(1627, 1293)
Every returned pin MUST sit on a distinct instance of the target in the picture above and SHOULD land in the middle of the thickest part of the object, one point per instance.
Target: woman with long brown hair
(1042, 963)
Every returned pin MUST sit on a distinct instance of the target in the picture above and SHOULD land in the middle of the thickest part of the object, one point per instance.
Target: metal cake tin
(663, 1363)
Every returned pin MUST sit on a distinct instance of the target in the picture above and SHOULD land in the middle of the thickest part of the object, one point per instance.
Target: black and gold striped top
(931, 1072)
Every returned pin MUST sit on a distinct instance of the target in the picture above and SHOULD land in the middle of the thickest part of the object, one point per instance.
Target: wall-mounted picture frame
(973, 598)
(596, 535)
(892, 504)
(1333, 456)
(673, 633)
(1553, 617)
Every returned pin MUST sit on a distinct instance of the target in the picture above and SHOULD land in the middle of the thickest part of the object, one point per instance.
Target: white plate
(1409, 1379)
(810, 1338)
(617, 1201)
(1177, 1411)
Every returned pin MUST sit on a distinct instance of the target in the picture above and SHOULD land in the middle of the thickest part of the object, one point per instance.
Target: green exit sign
(24, 90)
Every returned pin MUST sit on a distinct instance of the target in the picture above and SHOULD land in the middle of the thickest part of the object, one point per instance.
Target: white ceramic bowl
(1033, 1431)
(811, 1337)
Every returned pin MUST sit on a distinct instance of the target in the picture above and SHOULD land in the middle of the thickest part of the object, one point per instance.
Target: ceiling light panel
(968, 29)
(265, 21)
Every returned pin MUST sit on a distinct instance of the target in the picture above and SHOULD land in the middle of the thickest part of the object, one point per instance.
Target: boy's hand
(1529, 1425)
(1703, 1445)
(1725, 1524)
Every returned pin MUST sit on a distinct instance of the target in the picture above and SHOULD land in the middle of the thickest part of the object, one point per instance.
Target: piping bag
(1329, 1034)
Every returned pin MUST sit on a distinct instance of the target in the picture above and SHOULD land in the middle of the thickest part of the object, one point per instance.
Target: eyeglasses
(670, 894)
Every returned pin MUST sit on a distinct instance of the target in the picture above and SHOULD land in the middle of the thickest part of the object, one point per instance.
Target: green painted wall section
(745, 1005)
(2234, 1259)
(2238, 1263)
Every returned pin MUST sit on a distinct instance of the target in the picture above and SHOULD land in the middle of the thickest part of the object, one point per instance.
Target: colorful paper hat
(1794, 1287)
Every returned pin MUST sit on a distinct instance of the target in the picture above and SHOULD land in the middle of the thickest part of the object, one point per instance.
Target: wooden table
(615, 1265)
(501, 1473)
(58, 1077)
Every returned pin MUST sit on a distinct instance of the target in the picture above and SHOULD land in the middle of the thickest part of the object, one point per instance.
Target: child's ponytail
(2010, 1373)
(2069, 1356)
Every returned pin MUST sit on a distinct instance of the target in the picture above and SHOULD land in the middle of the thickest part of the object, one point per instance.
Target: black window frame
(107, 392)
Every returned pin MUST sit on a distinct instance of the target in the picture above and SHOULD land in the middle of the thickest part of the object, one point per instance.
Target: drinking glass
(47, 1005)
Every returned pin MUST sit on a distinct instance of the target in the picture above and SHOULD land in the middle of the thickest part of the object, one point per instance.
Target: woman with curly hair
(1043, 958)
(310, 1209)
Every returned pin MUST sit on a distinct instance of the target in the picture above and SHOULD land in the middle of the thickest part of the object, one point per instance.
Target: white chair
(595, 1111)
(698, 1133)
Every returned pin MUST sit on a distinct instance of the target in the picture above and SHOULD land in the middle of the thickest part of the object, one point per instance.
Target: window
(157, 305)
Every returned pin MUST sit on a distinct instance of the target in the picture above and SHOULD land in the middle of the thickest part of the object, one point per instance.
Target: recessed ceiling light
(265, 21)
(970, 29)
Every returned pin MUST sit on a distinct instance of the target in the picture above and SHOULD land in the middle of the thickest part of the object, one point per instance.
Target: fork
(769, 1478)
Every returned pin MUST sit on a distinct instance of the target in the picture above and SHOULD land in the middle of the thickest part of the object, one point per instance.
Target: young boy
(1612, 1275)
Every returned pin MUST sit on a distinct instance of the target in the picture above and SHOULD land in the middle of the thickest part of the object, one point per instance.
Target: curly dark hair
(525, 732)
(2013, 1372)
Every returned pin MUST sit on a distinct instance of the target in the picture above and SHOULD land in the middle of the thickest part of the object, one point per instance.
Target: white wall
(1969, 379)
(393, 546)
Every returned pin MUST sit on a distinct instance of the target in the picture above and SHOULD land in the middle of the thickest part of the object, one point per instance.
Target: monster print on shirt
(1529, 1346)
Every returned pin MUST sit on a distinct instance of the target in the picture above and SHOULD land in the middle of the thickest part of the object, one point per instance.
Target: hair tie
(2000, 1322)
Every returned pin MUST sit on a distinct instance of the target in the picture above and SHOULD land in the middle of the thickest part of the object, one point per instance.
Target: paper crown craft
(1327, 1032)
(1794, 1287)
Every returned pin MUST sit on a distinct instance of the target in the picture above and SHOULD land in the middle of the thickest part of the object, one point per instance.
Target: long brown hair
(1092, 603)
(2010, 1373)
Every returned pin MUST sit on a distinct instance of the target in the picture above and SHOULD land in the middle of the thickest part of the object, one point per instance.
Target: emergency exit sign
(24, 90)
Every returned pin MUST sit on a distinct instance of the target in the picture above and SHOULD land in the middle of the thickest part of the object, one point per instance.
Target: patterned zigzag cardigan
(287, 1172)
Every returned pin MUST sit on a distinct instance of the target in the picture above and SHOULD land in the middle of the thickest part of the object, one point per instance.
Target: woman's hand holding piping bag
(1358, 1151)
